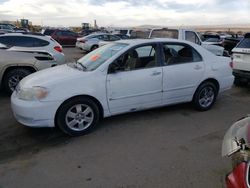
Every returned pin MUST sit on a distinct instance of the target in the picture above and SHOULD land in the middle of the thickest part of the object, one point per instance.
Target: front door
(137, 82)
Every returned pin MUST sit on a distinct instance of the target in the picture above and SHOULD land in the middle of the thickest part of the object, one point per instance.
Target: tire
(205, 96)
(94, 47)
(73, 119)
(13, 77)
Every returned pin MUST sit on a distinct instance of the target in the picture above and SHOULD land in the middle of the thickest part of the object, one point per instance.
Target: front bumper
(34, 113)
(241, 74)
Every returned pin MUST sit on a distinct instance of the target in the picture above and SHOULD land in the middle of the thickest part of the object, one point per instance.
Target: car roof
(155, 40)
(27, 34)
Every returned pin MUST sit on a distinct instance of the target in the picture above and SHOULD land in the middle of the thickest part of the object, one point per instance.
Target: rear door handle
(155, 73)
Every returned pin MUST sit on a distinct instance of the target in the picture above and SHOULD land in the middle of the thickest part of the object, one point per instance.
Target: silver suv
(16, 65)
(241, 61)
(26, 42)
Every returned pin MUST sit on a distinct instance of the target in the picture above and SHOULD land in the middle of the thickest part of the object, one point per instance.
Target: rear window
(48, 32)
(245, 43)
(139, 34)
(164, 33)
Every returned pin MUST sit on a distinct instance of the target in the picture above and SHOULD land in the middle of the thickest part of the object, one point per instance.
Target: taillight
(82, 41)
(231, 63)
(58, 48)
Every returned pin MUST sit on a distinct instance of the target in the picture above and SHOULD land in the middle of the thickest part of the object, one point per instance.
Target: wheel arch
(212, 80)
(98, 103)
(12, 67)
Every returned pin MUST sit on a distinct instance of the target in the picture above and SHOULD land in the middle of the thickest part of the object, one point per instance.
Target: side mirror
(113, 67)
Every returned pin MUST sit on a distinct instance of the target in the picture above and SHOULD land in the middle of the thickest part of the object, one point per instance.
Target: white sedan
(125, 76)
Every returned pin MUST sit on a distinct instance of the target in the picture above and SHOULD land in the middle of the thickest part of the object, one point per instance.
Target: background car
(6, 29)
(33, 42)
(16, 65)
(122, 36)
(63, 37)
(230, 42)
(93, 41)
(121, 77)
(241, 61)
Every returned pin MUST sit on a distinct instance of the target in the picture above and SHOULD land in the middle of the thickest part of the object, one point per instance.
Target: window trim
(164, 64)
(196, 37)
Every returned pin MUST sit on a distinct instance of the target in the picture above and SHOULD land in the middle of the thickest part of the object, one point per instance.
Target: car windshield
(245, 43)
(99, 56)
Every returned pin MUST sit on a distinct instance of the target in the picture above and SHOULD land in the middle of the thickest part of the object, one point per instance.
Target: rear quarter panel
(218, 68)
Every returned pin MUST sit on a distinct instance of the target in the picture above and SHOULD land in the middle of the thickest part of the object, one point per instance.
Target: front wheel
(78, 116)
(13, 77)
(205, 96)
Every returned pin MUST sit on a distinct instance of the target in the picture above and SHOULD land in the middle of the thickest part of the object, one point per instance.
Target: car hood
(239, 132)
(51, 77)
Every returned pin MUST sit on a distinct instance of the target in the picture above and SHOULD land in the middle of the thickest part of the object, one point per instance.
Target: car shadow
(16, 139)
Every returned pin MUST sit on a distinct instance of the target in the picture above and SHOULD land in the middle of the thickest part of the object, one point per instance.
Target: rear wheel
(78, 116)
(13, 77)
(205, 96)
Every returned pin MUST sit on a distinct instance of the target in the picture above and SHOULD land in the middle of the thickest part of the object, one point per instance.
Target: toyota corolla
(125, 76)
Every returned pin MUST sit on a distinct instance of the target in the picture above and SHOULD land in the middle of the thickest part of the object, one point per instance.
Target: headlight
(34, 93)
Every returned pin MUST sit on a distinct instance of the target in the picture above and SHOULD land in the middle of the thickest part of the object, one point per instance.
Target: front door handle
(155, 73)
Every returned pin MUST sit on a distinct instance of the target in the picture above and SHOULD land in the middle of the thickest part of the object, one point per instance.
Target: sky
(123, 13)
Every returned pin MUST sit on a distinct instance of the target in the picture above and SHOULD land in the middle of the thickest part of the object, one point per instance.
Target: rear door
(182, 72)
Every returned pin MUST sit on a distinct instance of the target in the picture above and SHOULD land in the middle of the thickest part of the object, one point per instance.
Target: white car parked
(91, 42)
(241, 61)
(27, 42)
(121, 77)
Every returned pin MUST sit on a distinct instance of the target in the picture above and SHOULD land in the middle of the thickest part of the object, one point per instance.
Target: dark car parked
(230, 42)
(63, 37)
(122, 36)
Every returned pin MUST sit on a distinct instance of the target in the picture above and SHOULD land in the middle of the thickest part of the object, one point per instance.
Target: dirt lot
(167, 147)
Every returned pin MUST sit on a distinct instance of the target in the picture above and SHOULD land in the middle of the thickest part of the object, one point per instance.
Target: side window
(192, 37)
(105, 38)
(24, 41)
(138, 58)
(180, 53)
(100, 37)
(113, 38)
(8, 40)
(68, 33)
(145, 51)
(59, 33)
(39, 42)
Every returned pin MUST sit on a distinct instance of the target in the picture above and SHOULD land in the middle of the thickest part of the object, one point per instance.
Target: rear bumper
(241, 74)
